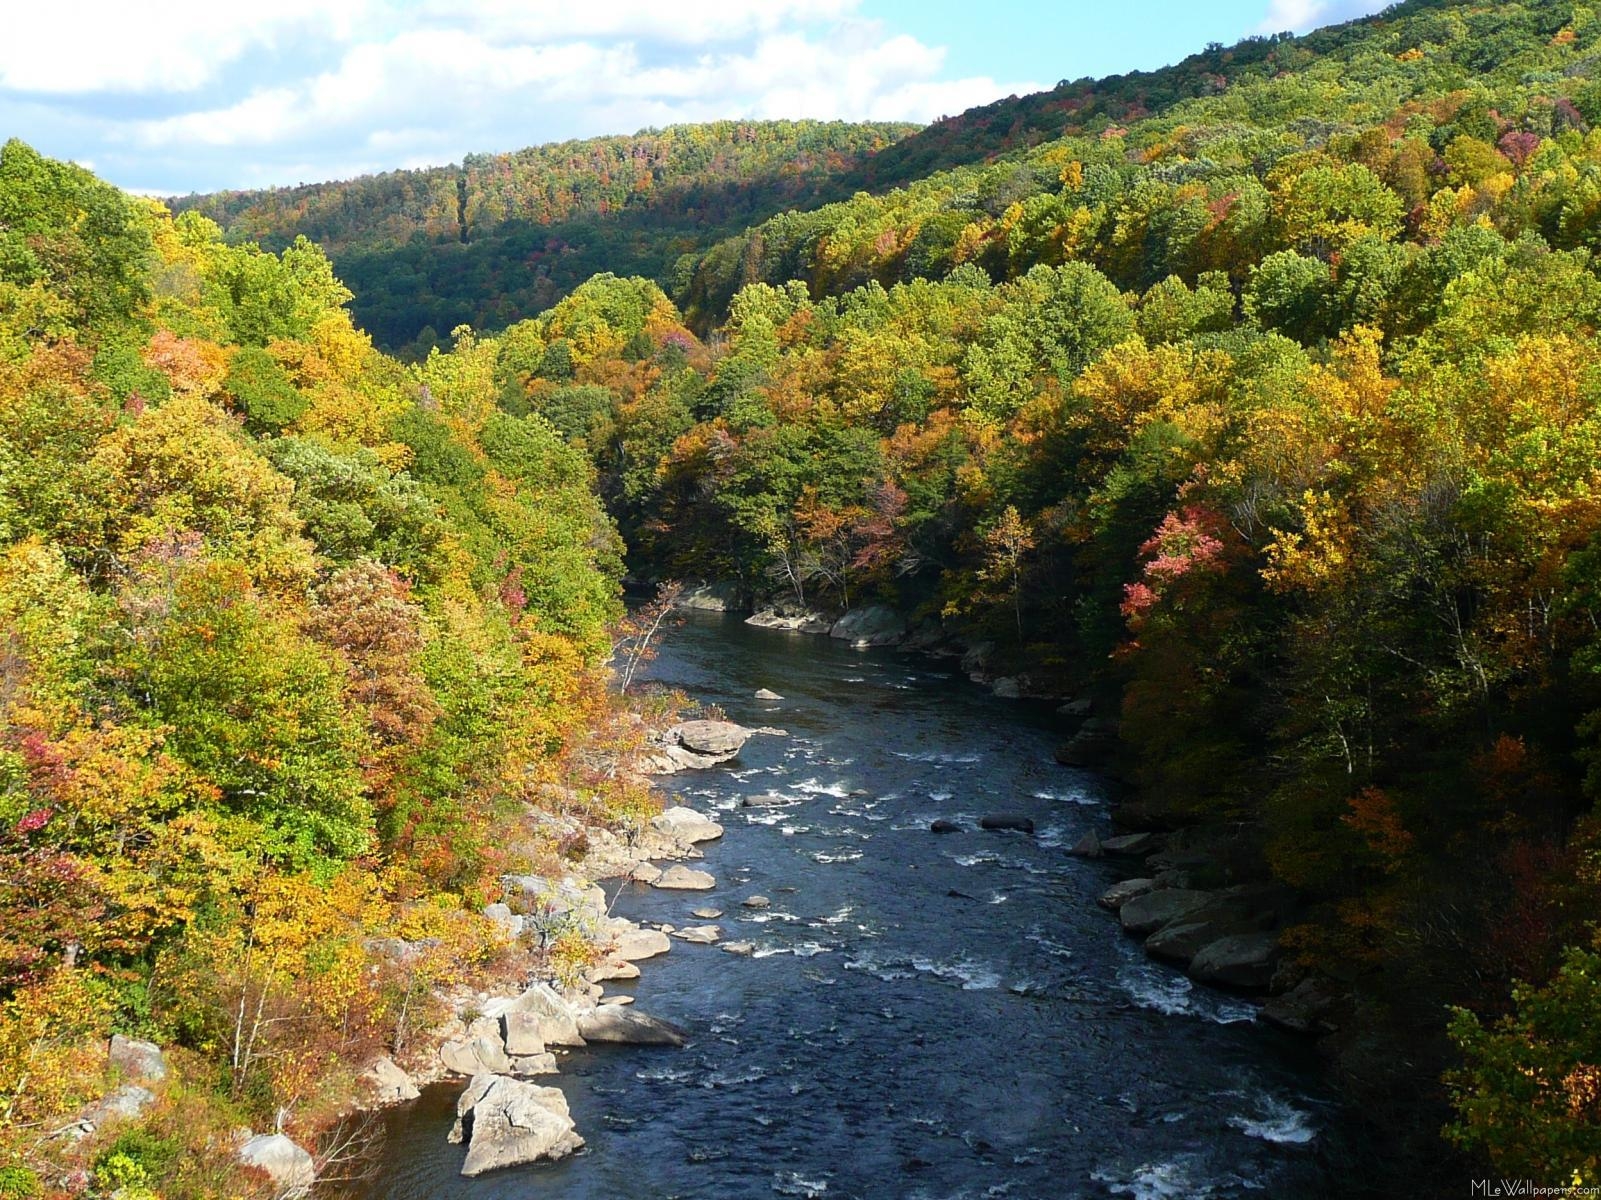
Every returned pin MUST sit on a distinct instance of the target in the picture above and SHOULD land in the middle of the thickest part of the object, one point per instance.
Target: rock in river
(767, 694)
(1119, 894)
(874, 625)
(506, 1122)
(686, 825)
(710, 737)
(687, 879)
(700, 935)
(1012, 821)
(390, 1084)
(629, 1027)
(944, 825)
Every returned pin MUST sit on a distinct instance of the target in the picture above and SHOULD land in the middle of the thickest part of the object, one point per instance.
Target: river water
(925, 1016)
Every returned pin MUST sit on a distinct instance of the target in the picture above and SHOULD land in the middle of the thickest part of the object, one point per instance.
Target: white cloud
(199, 95)
(1298, 16)
(89, 46)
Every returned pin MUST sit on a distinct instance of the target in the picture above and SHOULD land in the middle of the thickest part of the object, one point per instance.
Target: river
(926, 1016)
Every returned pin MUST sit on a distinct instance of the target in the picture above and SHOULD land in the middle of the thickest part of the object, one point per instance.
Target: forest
(1259, 398)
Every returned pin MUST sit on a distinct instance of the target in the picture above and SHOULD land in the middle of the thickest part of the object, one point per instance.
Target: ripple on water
(793, 1183)
(1276, 1121)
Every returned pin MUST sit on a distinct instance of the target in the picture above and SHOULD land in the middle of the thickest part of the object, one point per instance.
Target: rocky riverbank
(501, 1041)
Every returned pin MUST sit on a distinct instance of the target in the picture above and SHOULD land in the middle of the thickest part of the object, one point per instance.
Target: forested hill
(502, 236)
(1269, 413)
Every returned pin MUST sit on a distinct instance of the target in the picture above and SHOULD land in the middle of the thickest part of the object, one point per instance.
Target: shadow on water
(924, 1016)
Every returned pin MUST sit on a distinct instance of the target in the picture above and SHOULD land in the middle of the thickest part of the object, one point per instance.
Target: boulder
(1179, 941)
(755, 902)
(1088, 846)
(137, 1061)
(1242, 960)
(290, 1168)
(612, 968)
(126, 1102)
(557, 1023)
(700, 935)
(709, 737)
(1131, 845)
(506, 1122)
(645, 873)
(1008, 687)
(1076, 709)
(1119, 894)
(1148, 913)
(628, 1026)
(740, 948)
(474, 1055)
(502, 915)
(633, 945)
(721, 595)
(390, 1085)
(534, 1064)
(944, 825)
(1015, 822)
(680, 878)
(1305, 1008)
(767, 800)
(767, 694)
(522, 1033)
(872, 625)
(793, 620)
(686, 825)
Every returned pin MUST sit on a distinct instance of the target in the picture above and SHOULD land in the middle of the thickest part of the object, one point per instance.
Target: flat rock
(620, 999)
(706, 914)
(1241, 960)
(767, 800)
(634, 945)
(709, 737)
(806, 622)
(390, 1085)
(767, 694)
(506, 1122)
(1120, 894)
(1147, 913)
(755, 902)
(138, 1061)
(645, 873)
(740, 948)
(628, 1026)
(290, 1167)
(686, 825)
(614, 968)
(680, 878)
(700, 935)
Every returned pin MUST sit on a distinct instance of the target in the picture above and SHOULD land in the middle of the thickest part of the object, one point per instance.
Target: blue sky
(188, 95)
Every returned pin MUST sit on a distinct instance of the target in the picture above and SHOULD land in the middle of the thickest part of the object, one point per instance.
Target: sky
(196, 95)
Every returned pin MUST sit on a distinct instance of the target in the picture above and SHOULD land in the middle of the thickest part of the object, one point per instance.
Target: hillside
(501, 236)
